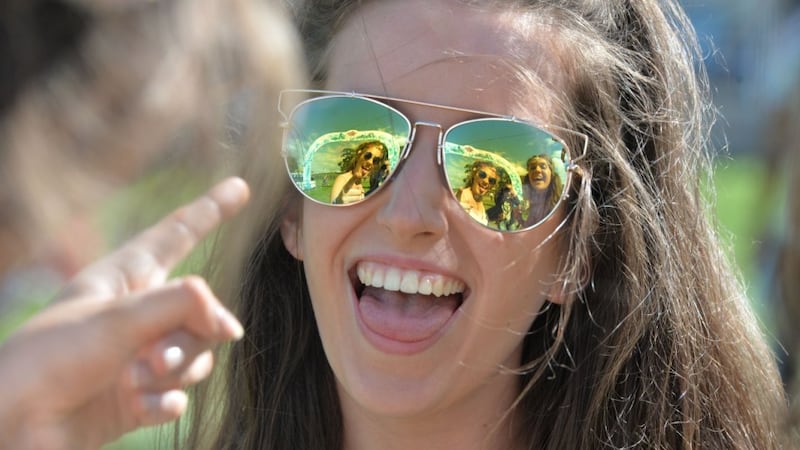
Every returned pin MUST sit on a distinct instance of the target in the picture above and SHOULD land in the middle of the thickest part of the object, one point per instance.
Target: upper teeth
(407, 281)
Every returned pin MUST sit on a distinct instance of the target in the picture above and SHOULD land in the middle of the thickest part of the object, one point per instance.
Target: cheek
(518, 279)
(322, 246)
(319, 246)
(524, 288)
(522, 271)
(328, 235)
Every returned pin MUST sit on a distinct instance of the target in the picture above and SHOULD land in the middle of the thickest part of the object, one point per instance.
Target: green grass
(751, 211)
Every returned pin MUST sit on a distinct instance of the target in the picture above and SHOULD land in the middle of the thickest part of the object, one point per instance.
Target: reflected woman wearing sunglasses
(480, 181)
(348, 186)
(541, 188)
(507, 210)
(402, 322)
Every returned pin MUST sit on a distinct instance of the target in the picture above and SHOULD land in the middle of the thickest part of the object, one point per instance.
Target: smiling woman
(359, 164)
(542, 187)
(609, 320)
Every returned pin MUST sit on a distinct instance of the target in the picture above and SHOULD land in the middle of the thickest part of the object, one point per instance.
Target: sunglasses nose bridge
(413, 203)
(423, 123)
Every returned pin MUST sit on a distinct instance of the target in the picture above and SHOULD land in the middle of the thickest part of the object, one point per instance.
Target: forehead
(535, 161)
(445, 52)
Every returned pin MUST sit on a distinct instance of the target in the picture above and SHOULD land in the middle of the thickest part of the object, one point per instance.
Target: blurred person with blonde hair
(94, 94)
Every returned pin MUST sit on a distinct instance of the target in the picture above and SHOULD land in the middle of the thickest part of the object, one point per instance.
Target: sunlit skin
(446, 390)
(482, 185)
(539, 174)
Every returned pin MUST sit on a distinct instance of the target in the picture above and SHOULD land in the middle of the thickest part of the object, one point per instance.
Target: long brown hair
(657, 349)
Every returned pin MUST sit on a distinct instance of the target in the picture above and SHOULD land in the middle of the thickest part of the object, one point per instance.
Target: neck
(478, 423)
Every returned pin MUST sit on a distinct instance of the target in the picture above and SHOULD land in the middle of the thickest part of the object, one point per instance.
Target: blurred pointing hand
(116, 349)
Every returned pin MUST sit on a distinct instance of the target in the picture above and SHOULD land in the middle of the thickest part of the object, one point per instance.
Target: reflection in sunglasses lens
(325, 132)
(483, 176)
(507, 147)
(322, 140)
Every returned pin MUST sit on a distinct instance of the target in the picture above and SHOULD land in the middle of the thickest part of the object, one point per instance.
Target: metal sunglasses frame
(571, 166)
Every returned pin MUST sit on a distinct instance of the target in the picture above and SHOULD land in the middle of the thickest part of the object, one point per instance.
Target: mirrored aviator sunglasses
(327, 135)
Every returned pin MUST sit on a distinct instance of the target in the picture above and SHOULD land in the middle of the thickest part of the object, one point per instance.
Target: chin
(389, 394)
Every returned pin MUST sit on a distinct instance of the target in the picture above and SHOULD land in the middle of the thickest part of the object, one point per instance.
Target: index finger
(146, 260)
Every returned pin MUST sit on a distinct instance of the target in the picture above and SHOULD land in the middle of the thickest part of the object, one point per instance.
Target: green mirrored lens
(341, 149)
(528, 164)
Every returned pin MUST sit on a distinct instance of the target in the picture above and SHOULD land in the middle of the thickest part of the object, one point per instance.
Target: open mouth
(405, 306)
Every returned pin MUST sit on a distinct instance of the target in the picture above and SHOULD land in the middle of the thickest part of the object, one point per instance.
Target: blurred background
(751, 50)
(752, 54)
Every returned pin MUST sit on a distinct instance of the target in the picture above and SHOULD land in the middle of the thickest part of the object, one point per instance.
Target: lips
(405, 311)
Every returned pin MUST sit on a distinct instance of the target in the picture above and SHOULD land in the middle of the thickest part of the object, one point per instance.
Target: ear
(566, 291)
(559, 293)
(291, 233)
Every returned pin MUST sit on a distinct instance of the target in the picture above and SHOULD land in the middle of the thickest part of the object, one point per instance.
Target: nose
(417, 196)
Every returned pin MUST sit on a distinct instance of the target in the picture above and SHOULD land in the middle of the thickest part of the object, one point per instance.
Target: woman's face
(395, 350)
(484, 180)
(369, 159)
(539, 173)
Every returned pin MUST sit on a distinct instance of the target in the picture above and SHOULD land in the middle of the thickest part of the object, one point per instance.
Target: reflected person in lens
(506, 214)
(541, 188)
(481, 180)
(379, 174)
(360, 164)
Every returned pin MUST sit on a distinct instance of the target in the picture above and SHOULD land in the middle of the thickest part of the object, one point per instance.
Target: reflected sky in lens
(506, 144)
(341, 114)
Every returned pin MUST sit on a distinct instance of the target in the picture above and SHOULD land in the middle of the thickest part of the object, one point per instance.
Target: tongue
(404, 317)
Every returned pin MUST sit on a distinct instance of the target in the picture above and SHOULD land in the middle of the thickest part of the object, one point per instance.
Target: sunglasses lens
(325, 137)
(486, 162)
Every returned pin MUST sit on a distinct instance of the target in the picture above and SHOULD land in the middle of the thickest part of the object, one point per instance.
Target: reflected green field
(751, 212)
